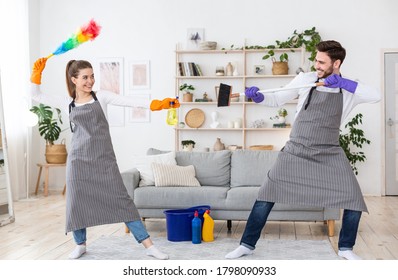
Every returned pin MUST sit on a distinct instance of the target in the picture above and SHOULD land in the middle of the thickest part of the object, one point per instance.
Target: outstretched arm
(36, 94)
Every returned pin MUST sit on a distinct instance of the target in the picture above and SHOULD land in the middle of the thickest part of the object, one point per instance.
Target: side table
(47, 167)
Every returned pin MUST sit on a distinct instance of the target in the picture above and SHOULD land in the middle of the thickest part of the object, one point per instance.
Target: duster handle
(289, 88)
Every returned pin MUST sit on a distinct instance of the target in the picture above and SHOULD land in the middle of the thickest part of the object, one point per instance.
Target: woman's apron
(312, 169)
(96, 194)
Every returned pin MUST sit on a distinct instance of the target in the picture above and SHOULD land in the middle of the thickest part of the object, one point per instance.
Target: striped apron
(96, 194)
(312, 169)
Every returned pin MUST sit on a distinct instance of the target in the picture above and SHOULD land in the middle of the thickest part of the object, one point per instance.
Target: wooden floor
(38, 231)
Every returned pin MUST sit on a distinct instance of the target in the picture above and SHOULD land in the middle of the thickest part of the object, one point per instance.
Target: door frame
(383, 118)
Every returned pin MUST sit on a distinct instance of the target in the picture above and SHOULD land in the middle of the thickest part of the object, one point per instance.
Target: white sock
(239, 252)
(77, 252)
(156, 253)
(349, 255)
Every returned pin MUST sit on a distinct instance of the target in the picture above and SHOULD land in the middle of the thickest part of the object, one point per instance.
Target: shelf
(246, 60)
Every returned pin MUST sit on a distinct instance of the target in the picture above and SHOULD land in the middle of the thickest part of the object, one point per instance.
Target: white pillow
(174, 175)
(143, 164)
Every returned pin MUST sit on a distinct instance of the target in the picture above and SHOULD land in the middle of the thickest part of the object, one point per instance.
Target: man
(312, 168)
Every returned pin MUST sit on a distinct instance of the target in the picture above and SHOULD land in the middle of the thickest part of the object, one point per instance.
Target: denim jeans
(259, 215)
(136, 228)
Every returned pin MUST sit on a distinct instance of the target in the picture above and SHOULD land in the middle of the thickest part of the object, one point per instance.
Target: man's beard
(325, 73)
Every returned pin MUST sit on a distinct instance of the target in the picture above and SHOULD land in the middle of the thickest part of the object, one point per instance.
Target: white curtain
(15, 71)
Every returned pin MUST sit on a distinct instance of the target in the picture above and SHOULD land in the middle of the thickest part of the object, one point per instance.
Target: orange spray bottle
(208, 227)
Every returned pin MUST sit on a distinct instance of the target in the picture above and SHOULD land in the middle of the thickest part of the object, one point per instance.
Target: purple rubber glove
(252, 92)
(336, 81)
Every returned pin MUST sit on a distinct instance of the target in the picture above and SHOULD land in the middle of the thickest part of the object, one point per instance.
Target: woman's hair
(333, 49)
(72, 70)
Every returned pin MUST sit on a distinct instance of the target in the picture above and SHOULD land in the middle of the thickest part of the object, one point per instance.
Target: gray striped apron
(312, 169)
(96, 194)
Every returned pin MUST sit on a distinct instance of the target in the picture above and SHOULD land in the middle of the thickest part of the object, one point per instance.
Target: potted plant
(50, 130)
(354, 137)
(188, 145)
(308, 39)
(187, 96)
(281, 117)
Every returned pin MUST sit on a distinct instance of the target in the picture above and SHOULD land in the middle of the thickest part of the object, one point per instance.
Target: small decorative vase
(235, 73)
(218, 146)
(229, 69)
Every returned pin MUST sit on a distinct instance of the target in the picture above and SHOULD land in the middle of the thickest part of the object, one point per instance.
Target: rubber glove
(336, 81)
(252, 92)
(38, 68)
(157, 105)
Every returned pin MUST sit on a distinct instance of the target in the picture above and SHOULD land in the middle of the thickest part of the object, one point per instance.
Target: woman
(96, 194)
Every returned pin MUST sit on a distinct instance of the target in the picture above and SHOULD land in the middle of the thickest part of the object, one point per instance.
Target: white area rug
(126, 248)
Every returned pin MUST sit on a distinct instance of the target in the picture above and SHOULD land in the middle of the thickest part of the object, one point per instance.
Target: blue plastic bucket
(179, 222)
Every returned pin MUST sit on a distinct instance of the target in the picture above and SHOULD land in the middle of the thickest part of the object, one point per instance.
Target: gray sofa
(229, 181)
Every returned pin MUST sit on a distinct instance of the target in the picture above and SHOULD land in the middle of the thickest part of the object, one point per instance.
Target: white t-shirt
(104, 97)
(363, 94)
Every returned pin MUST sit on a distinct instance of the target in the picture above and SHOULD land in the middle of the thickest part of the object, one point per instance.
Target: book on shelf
(189, 69)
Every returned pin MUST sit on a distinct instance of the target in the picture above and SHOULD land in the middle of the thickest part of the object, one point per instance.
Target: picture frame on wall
(194, 37)
(138, 115)
(109, 73)
(139, 74)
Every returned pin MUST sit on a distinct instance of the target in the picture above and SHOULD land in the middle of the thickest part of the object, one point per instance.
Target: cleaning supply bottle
(172, 114)
(208, 227)
(196, 229)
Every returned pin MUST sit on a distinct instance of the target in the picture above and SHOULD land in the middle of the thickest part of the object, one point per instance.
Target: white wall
(150, 30)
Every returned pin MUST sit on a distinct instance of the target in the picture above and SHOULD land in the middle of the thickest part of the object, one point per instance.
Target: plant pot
(187, 148)
(187, 97)
(280, 67)
(56, 153)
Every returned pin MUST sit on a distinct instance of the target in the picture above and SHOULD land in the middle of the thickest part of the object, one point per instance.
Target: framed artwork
(138, 115)
(259, 69)
(109, 76)
(139, 74)
(194, 37)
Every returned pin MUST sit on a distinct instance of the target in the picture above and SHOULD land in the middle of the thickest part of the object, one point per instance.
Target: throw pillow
(174, 175)
(143, 164)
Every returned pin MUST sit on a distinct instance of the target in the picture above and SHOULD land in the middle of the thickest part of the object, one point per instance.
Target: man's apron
(96, 194)
(312, 169)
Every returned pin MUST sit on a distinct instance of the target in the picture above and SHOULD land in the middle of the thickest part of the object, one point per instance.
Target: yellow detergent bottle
(208, 227)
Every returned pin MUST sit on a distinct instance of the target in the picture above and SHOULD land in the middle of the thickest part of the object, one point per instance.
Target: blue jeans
(136, 228)
(259, 215)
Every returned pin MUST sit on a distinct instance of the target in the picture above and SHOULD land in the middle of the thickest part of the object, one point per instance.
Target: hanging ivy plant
(354, 138)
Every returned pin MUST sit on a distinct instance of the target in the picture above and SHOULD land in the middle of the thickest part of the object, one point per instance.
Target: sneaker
(349, 255)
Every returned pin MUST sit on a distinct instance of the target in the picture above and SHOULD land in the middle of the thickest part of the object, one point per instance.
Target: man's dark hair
(333, 49)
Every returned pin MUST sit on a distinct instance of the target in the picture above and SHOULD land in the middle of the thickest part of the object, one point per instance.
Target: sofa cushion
(143, 164)
(250, 168)
(243, 199)
(212, 168)
(174, 175)
(180, 197)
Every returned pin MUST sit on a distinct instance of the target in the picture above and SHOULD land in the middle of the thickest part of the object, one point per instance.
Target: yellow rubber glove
(157, 105)
(38, 68)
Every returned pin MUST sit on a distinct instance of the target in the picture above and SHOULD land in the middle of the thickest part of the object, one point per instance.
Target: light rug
(126, 248)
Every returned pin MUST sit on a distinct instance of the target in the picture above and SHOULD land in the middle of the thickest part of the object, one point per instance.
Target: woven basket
(195, 118)
(261, 147)
(279, 67)
(56, 153)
